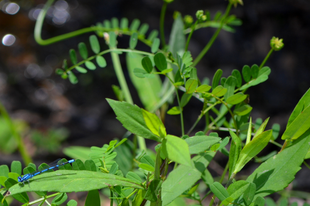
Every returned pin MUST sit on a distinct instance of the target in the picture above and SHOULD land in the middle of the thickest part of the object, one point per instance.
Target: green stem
(21, 147)
(39, 24)
(190, 35)
(161, 25)
(124, 87)
(208, 46)
(266, 58)
(181, 112)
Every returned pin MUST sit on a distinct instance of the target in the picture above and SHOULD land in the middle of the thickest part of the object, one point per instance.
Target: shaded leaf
(147, 64)
(160, 61)
(83, 50)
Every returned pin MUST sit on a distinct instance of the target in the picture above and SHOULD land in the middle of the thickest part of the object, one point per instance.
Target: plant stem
(266, 58)
(21, 147)
(181, 112)
(161, 25)
(208, 46)
(190, 35)
(124, 87)
(43, 42)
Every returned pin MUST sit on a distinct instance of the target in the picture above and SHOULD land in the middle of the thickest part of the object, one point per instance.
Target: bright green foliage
(132, 119)
(301, 105)
(133, 41)
(136, 175)
(177, 150)
(216, 78)
(252, 149)
(277, 172)
(299, 126)
(94, 43)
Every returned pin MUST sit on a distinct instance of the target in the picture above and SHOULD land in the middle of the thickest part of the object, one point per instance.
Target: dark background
(31, 91)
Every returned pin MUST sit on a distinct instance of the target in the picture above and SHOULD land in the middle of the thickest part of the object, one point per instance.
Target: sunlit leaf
(94, 44)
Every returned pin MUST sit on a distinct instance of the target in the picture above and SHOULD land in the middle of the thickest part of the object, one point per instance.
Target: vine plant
(136, 175)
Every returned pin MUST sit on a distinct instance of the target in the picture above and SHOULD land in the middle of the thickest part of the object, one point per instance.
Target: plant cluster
(130, 173)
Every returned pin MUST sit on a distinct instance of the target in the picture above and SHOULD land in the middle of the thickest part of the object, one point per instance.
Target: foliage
(135, 175)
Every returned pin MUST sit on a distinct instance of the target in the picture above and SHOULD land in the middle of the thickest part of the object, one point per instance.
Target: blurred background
(52, 114)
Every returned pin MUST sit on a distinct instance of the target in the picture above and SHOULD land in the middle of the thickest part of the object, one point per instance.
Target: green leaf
(277, 172)
(72, 77)
(200, 143)
(219, 91)
(107, 24)
(73, 56)
(114, 22)
(256, 81)
(59, 199)
(259, 201)
(191, 85)
(249, 194)
(246, 73)
(133, 41)
(124, 23)
(237, 188)
(261, 128)
(185, 99)
(140, 73)
(101, 61)
(135, 25)
(183, 177)
(147, 64)
(148, 89)
(299, 126)
(112, 39)
(160, 61)
(216, 78)
(16, 167)
(143, 29)
(93, 198)
(152, 35)
(174, 111)
(73, 181)
(177, 150)
(146, 167)
(90, 65)
(219, 191)
(59, 71)
(81, 69)
(236, 98)
(230, 84)
(243, 110)
(252, 149)
(235, 149)
(134, 176)
(132, 119)
(83, 50)
(235, 73)
(178, 181)
(77, 152)
(203, 88)
(155, 45)
(94, 44)
(301, 105)
(254, 71)
(177, 37)
(154, 124)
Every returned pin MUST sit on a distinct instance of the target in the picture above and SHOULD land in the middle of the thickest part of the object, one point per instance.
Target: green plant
(135, 175)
